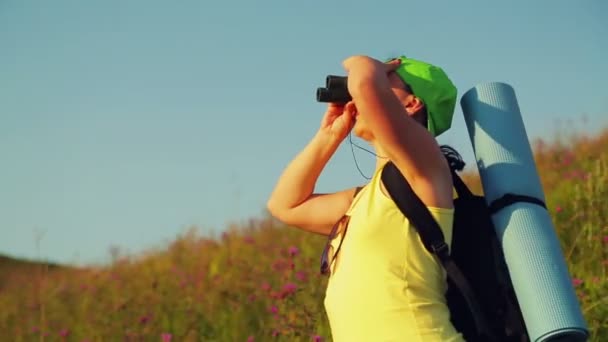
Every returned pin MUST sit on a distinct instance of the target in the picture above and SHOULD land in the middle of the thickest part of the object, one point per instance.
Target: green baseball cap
(433, 86)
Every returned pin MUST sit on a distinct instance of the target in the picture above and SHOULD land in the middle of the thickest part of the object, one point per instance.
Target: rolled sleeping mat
(531, 247)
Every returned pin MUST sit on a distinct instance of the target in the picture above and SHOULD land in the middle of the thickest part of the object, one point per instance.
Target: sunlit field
(259, 281)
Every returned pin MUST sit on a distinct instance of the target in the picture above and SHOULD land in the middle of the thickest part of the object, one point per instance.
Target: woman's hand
(338, 120)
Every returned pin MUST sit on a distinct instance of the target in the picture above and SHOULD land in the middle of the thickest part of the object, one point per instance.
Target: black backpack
(480, 295)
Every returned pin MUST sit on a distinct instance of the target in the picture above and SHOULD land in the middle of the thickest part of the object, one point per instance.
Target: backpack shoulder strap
(412, 207)
(432, 237)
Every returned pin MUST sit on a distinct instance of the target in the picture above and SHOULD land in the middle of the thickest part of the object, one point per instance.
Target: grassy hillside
(260, 281)
(12, 268)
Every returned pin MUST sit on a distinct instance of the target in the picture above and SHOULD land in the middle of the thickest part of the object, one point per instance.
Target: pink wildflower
(290, 288)
(265, 286)
(144, 319)
(293, 251)
(165, 337)
(301, 276)
(279, 265)
(577, 282)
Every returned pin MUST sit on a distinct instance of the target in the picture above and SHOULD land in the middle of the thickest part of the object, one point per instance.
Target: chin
(363, 134)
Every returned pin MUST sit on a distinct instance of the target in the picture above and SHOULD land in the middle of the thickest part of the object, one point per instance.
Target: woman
(383, 284)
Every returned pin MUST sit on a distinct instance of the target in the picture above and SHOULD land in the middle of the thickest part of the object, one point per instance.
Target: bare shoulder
(437, 192)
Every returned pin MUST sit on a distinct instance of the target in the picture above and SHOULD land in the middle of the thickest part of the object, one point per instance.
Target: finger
(339, 105)
(349, 118)
(335, 107)
(350, 108)
(393, 64)
(345, 117)
(347, 121)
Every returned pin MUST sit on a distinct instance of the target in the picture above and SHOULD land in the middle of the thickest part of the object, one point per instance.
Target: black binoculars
(335, 90)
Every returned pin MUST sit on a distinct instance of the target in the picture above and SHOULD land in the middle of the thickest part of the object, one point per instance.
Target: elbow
(270, 206)
(280, 212)
(275, 210)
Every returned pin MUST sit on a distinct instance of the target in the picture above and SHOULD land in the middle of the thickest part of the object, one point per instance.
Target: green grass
(260, 279)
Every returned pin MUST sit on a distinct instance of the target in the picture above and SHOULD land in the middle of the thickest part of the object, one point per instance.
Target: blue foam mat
(532, 250)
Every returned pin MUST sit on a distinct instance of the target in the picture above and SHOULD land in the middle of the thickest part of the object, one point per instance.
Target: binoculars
(335, 90)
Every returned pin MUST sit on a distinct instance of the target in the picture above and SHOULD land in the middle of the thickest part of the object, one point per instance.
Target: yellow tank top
(384, 285)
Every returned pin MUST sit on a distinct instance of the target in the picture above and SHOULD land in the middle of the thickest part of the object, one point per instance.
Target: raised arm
(292, 200)
(407, 144)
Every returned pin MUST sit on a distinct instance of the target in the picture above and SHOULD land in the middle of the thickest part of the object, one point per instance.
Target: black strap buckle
(441, 249)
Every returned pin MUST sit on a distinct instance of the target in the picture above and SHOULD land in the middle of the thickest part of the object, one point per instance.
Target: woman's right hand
(339, 120)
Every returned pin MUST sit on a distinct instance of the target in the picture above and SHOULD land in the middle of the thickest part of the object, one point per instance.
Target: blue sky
(126, 122)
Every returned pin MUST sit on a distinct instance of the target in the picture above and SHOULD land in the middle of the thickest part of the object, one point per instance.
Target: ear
(414, 105)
